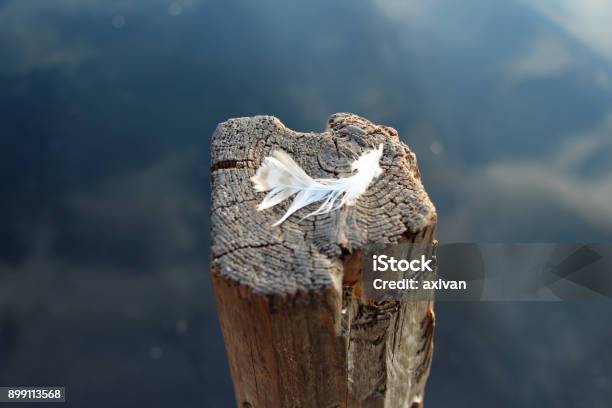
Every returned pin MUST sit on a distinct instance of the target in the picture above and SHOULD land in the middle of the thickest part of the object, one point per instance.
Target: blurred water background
(106, 113)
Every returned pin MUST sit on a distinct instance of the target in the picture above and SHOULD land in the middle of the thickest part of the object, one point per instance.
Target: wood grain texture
(297, 330)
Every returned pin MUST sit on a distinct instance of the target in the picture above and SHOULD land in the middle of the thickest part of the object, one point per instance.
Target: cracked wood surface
(297, 330)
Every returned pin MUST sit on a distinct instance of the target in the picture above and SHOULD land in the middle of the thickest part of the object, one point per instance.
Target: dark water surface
(106, 111)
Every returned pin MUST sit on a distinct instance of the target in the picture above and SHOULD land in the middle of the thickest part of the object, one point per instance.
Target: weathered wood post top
(297, 330)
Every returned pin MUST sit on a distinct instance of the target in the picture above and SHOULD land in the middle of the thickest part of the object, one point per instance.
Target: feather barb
(282, 178)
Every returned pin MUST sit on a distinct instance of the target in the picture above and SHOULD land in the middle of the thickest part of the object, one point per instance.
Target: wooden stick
(297, 329)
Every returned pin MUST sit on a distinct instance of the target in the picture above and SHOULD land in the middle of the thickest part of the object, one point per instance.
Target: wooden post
(297, 330)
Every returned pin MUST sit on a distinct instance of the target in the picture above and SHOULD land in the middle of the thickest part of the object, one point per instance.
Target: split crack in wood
(297, 330)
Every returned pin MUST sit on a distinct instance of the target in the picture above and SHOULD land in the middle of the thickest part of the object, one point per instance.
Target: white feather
(283, 177)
